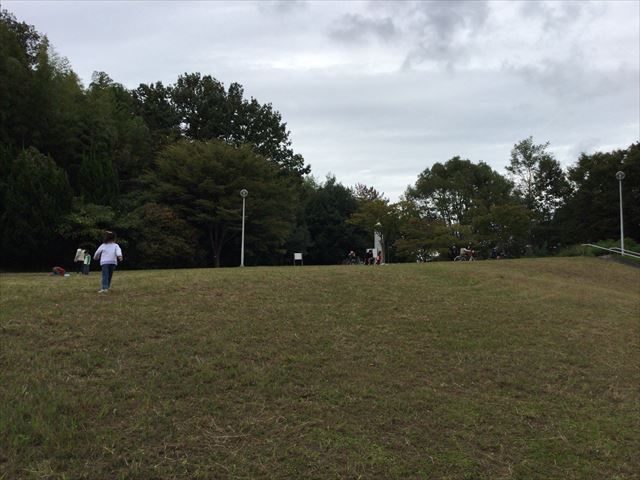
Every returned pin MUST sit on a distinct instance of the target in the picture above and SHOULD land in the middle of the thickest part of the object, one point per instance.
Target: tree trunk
(215, 250)
(216, 237)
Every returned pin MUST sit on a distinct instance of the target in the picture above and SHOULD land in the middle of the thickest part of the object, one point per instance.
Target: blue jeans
(107, 273)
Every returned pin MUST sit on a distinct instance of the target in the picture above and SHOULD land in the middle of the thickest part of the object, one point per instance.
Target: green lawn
(499, 369)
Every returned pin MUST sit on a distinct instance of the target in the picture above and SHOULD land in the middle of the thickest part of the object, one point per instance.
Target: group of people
(108, 253)
(82, 261)
(369, 259)
(454, 252)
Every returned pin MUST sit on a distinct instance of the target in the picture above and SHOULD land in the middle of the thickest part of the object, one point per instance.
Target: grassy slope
(508, 369)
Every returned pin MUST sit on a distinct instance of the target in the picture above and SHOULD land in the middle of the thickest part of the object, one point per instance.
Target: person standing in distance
(109, 254)
(87, 263)
(79, 260)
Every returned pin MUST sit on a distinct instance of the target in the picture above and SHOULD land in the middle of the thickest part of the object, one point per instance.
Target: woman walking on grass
(109, 254)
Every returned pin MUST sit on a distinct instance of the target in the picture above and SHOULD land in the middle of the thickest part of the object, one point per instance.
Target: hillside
(503, 369)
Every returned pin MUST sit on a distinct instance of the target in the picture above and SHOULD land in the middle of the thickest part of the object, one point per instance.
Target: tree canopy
(202, 182)
(455, 190)
(163, 164)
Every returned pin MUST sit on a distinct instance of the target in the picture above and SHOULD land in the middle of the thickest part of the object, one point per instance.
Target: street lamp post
(620, 177)
(243, 194)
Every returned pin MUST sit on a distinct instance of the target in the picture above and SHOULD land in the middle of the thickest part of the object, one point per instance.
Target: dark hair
(109, 237)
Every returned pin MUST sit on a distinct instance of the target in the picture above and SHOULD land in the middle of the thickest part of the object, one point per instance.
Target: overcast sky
(375, 92)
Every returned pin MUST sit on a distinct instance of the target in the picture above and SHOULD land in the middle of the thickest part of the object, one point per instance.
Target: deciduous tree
(202, 181)
(208, 111)
(453, 190)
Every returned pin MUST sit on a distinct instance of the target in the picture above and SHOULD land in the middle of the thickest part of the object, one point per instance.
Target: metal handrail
(625, 250)
(614, 250)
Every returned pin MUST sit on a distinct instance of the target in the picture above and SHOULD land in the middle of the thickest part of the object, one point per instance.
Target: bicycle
(465, 256)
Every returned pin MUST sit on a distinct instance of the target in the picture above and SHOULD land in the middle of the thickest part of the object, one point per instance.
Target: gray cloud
(357, 28)
(282, 6)
(558, 15)
(446, 18)
(444, 29)
(570, 78)
(350, 107)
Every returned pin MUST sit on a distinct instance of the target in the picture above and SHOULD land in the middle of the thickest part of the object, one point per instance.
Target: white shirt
(108, 253)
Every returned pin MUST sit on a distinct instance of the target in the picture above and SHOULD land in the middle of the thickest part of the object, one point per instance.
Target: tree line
(162, 165)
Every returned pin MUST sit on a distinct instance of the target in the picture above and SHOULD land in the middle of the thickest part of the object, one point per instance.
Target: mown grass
(511, 369)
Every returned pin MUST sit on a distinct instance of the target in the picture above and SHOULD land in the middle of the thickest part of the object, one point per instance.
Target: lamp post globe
(620, 176)
(243, 194)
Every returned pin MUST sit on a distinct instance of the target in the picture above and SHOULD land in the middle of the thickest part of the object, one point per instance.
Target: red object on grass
(58, 271)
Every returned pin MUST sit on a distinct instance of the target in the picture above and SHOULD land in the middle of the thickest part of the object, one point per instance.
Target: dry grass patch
(507, 369)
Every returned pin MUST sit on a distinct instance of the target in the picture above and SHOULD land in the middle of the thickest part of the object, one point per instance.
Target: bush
(629, 244)
(578, 251)
(584, 251)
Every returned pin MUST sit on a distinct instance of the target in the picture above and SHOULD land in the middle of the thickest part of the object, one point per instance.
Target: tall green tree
(207, 111)
(159, 238)
(454, 190)
(591, 213)
(327, 212)
(551, 188)
(98, 179)
(523, 165)
(421, 236)
(114, 135)
(503, 226)
(19, 47)
(202, 181)
(539, 178)
(300, 240)
(542, 186)
(36, 197)
(40, 96)
(153, 104)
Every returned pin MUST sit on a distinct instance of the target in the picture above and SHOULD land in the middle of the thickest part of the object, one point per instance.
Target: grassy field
(518, 369)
